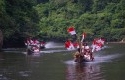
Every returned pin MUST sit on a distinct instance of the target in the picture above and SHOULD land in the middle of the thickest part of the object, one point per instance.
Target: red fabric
(75, 44)
(70, 29)
(42, 42)
(67, 44)
(94, 42)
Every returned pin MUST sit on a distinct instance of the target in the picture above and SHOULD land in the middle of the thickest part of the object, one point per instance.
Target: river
(56, 63)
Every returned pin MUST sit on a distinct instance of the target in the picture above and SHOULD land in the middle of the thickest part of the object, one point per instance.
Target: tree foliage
(49, 19)
(18, 19)
(98, 18)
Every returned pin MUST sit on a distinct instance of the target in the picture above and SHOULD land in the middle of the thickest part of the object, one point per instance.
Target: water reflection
(108, 65)
(84, 71)
(1, 57)
(13, 66)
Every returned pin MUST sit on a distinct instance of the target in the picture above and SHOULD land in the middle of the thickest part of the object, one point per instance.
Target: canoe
(84, 58)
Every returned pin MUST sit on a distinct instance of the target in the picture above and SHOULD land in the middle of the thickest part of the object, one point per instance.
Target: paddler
(87, 52)
(77, 55)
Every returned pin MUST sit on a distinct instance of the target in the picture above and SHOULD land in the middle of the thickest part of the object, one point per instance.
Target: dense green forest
(49, 19)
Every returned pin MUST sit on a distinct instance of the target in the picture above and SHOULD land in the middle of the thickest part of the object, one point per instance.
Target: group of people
(84, 52)
(33, 44)
(97, 44)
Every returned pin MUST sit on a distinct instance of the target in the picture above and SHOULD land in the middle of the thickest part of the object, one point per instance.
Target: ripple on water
(105, 58)
(88, 70)
(84, 71)
(25, 73)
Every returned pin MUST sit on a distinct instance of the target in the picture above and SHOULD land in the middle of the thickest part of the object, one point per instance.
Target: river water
(56, 63)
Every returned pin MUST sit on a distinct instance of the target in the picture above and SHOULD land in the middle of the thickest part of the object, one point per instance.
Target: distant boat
(33, 49)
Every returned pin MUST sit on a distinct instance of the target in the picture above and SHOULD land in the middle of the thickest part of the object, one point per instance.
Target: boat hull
(31, 49)
(82, 59)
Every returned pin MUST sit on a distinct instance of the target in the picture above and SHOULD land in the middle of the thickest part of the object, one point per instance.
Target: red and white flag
(69, 45)
(71, 30)
(97, 44)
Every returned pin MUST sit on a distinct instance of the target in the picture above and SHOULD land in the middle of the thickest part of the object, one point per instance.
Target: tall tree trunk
(1, 39)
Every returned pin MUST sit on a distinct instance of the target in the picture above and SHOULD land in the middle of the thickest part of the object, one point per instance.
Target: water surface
(56, 63)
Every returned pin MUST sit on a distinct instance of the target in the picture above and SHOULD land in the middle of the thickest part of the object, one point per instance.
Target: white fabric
(72, 32)
(86, 47)
(71, 47)
(87, 57)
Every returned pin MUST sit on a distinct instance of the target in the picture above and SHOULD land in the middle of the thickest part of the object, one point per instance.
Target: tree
(19, 19)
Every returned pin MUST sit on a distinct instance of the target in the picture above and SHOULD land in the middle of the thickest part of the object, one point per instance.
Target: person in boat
(32, 45)
(83, 54)
(28, 41)
(35, 49)
(36, 42)
(87, 52)
(77, 55)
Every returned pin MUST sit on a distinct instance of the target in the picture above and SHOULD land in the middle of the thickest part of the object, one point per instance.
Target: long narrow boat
(85, 58)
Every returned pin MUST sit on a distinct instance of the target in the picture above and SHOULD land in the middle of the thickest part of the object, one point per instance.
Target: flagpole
(80, 44)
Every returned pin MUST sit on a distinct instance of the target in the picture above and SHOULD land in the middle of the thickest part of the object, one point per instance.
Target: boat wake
(53, 45)
(98, 59)
(53, 51)
(107, 58)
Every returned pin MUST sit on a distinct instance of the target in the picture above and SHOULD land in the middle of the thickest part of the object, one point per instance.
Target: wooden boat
(84, 58)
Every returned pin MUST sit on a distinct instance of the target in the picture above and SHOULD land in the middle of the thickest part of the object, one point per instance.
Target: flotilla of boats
(84, 52)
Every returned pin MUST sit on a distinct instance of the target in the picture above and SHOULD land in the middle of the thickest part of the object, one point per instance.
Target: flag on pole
(69, 45)
(71, 30)
(97, 44)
